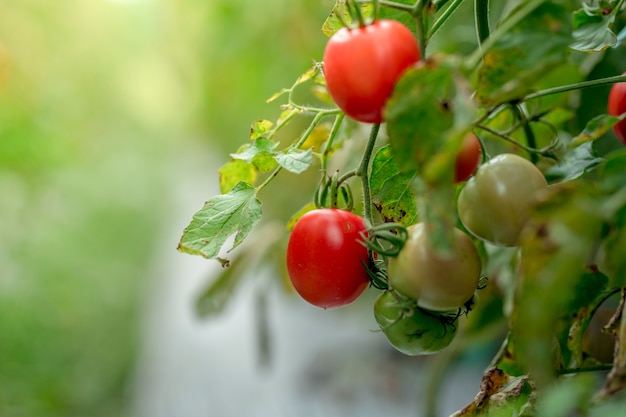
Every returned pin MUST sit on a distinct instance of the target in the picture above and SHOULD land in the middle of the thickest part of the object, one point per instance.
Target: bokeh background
(114, 117)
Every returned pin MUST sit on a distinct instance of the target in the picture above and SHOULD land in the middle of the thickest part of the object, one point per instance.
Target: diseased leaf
(295, 160)
(500, 395)
(234, 213)
(260, 129)
(391, 190)
(235, 171)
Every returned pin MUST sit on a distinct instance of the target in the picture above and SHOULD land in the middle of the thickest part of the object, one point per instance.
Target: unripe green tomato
(410, 330)
(495, 203)
(436, 281)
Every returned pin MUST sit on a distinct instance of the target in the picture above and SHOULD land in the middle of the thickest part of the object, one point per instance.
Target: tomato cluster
(425, 289)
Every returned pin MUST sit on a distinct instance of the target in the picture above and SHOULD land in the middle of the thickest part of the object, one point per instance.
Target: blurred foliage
(99, 102)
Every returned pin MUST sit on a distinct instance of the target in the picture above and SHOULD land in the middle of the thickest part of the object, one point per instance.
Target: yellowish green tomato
(411, 330)
(438, 282)
(495, 203)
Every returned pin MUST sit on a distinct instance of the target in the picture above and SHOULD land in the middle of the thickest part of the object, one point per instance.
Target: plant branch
(363, 172)
(531, 141)
(481, 17)
(443, 18)
(575, 86)
(544, 153)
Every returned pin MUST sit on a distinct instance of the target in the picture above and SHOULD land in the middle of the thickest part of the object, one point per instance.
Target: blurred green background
(100, 102)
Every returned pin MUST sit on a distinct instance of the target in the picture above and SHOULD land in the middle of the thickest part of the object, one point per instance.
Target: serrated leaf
(259, 153)
(235, 171)
(225, 215)
(260, 129)
(574, 164)
(339, 14)
(391, 190)
(510, 68)
(592, 28)
(295, 160)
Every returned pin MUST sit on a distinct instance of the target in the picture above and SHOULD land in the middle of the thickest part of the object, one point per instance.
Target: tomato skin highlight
(617, 106)
(467, 159)
(411, 330)
(325, 259)
(435, 281)
(494, 205)
(362, 66)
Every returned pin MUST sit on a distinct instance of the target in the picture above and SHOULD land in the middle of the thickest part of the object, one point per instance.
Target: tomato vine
(542, 188)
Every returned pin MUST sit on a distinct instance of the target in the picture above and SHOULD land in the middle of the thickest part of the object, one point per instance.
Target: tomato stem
(363, 172)
(531, 141)
(418, 13)
(547, 153)
(443, 18)
(334, 131)
(576, 86)
(481, 17)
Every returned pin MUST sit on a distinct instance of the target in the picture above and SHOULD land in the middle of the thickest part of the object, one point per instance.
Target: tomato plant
(495, 204)
(438, 282)
(617, 106)
(325, 261)
(410, 329)
(492, 132)
(362, 65)
(467, 159)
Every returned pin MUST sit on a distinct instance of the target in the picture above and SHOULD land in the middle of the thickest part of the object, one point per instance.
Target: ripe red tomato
(468, 158)
(617, 106)
(325, 258)
(362, 66)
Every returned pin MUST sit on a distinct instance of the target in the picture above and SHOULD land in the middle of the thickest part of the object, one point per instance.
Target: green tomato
(438, 282)
(411, 330)
(495, 203)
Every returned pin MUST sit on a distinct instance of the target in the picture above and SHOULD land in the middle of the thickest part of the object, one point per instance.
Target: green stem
(394, 5)
(596, 368)
(418, 13)
(316, 120)
(331, 138)
(528, 132)
(443, 18)
(481, 17)
(507, 138)
(576, 86)
(502, 30)
(363, 172)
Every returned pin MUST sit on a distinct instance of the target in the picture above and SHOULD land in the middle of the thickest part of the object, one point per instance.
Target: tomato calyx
(333, 192)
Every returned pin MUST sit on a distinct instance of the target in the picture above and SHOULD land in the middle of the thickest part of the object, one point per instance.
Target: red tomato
(617, 106)
(468, 158)
(325, 259)
(362, 66)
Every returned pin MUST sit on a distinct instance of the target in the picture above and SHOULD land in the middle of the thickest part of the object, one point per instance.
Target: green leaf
(295, 160)
(259, 153)
(235, 171)
(592, 26)
(391, 190)
(339, 15)
(428, 116)
(595, 128)
(234, 213)
(574, 164)
(524, 55)
(567, 397)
